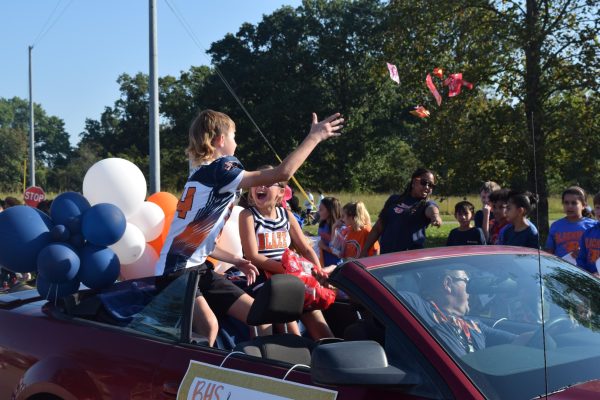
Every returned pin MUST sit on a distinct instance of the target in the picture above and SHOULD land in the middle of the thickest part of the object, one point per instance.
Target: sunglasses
(426, 183)
(281, 185)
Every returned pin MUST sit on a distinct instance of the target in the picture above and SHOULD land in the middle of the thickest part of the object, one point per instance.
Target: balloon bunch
(89, 238)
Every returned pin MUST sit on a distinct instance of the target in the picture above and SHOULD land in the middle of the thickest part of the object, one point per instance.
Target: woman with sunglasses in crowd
(404, 217)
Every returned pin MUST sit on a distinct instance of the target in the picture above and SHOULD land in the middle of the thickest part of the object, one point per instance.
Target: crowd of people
(269, 224)
(502, 220)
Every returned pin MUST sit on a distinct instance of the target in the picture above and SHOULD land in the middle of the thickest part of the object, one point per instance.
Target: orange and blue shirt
(205, 205)
(589, 249)
(564, 235)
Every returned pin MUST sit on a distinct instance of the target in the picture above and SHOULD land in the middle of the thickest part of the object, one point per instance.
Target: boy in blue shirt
(520, 231)
(465, 234)
(589, 244)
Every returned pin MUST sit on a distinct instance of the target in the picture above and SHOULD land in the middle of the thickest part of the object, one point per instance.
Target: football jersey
(206, 202)
(272, 235)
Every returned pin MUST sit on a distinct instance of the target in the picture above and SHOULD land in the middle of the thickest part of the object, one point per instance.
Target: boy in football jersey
(205, 205)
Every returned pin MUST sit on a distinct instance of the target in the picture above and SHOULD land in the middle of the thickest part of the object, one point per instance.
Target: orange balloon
(168, 203)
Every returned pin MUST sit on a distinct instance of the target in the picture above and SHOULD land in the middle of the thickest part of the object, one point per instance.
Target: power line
(190, 32)
(43, 32)
(47, 21)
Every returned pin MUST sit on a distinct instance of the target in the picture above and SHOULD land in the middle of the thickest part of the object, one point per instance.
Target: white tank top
(272, 235)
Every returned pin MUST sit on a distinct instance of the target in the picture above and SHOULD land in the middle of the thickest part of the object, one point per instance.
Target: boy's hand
(327, 128)
(248, 269)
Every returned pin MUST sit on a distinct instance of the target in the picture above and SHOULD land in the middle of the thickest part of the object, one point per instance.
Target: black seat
(280, 300)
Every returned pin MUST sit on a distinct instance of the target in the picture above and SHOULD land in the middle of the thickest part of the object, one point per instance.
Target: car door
(407, 344)
(172, 370)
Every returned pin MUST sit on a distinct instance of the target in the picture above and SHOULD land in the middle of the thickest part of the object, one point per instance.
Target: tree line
(534, 64)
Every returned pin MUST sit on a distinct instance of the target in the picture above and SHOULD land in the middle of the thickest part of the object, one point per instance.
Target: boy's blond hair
(205, 127)
(489, 187)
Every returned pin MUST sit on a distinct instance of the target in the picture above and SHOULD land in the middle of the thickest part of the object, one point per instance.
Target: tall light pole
(31, 131)
(153, 106)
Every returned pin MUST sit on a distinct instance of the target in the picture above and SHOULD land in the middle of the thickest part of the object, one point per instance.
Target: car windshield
(486, 311)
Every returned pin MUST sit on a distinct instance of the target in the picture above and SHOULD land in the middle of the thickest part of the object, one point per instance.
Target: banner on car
(205, 381)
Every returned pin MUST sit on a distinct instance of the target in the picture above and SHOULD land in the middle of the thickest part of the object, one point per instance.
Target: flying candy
(438, 72)
(393, 73)
(455, 82)
(433, 90)
(420, 112)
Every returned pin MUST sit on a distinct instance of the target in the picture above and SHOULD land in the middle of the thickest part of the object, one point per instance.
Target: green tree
(123, 129)
(13, 150)
(524, 53)
(52, 145)
(323, 56)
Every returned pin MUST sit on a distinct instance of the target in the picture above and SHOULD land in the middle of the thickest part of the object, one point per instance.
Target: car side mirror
(356, 363)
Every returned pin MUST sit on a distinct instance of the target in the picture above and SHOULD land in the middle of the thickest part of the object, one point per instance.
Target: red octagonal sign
(34, 195)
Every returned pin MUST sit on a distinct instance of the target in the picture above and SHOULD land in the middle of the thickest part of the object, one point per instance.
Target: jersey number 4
(185, 204)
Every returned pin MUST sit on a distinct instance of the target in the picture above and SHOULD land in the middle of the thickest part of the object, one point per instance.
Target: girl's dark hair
(294, 203)
(334, 208)
(525, 200)
(394, 199)
(581, 196)
(500, 195)
(11, 202)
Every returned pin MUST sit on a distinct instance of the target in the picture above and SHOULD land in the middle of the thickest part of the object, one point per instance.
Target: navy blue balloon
(103, 224)
(58, 263)
(60, 233)
(100, 266)
(23, 233)
(68, 205)
(52, 291)
(74, 224)
(77, 240)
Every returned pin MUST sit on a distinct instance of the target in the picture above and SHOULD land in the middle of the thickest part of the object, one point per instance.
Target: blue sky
(77, 62)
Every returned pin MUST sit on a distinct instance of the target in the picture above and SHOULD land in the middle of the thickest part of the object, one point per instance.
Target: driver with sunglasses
(444, 306)
(404, 217)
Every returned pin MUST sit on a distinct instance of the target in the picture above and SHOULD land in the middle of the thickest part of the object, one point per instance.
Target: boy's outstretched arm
(319, 131)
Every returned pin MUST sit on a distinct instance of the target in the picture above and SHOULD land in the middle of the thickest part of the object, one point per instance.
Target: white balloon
(131, 246)
(150, 218)
(230, 239)
(142, 267)
(116, 181)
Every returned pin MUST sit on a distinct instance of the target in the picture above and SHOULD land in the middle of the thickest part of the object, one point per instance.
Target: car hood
(580, 391)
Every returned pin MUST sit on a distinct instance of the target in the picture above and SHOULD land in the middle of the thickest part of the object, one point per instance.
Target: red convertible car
(444, 323)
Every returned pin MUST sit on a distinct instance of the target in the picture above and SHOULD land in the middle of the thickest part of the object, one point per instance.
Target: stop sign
(34, 195)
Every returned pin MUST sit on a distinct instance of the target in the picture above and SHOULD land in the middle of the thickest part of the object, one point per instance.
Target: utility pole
(153, 106)
(31, 131)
